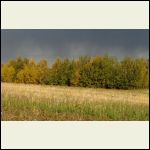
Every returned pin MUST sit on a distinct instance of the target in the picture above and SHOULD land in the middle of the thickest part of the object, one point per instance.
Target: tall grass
(19, 106)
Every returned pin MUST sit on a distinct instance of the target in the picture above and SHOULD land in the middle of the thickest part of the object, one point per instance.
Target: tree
(75, 80)
(7, 73)
(18, 65)
(99, 72)
(43, 72)
(28, 75)
(55, 74)
(141, 73)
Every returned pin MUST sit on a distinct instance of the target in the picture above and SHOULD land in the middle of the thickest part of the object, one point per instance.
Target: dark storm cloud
(52, 43)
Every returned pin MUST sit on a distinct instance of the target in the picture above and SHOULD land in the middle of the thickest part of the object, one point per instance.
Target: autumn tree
(99, 72)
(29, 74)
(75, 79)
(7, 73)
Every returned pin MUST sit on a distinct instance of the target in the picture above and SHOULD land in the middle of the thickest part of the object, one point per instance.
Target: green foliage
(55, 72)
(134, 73)
(99, 72)
(43, 72)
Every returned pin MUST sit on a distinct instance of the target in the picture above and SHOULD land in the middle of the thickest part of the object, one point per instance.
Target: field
(56, 103)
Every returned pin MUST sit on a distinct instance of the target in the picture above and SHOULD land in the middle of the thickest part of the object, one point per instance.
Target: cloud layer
(72, 43)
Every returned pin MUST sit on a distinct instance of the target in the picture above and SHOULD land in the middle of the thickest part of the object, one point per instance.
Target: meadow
(26, 102)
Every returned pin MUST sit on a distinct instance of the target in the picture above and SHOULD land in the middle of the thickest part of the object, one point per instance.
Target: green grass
(23, 108)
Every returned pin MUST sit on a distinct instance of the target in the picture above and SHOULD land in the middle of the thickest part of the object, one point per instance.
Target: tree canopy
(99, 72)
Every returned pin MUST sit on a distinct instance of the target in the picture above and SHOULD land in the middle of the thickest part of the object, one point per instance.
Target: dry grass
(72, 103)
(74, 93)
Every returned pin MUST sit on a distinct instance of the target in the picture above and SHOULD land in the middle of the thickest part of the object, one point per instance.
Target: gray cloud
(72, 43)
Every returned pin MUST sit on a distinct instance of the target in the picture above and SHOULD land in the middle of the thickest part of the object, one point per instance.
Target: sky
(72, 43)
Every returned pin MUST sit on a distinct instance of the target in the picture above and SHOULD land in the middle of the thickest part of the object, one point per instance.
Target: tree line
(99, 72)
